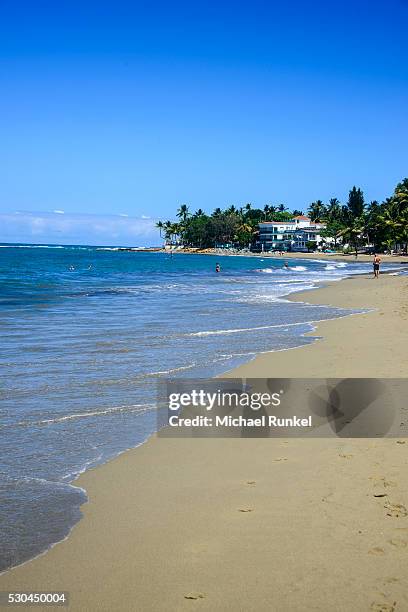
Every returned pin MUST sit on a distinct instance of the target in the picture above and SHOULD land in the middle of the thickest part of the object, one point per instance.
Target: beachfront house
(295, 235)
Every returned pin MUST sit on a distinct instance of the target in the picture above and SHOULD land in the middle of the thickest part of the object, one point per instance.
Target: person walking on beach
(376, 265)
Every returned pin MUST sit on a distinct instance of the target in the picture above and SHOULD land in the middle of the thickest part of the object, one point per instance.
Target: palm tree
(333, 211)
(272, 211)
(199, 213)
(167, 230)
(217, 212)
(176, 230)
(404, 229)
(316, 211)
(245, 228)
(182, 212)
(160, 226)
(401, 195)
(354, 232)
(373, 226)
(282, 208)
(297, 213)
(247, 231)
(392, 219)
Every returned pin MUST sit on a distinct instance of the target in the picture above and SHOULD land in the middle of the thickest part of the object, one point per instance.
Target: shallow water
(86, 332)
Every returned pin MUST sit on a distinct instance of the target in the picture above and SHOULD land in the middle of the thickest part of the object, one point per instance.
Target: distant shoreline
(350, 257)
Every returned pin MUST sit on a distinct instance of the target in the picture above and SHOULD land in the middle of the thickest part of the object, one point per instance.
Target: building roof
(302, 218)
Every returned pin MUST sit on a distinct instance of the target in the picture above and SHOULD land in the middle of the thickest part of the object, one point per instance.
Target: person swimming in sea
(286, 265)
(217, 267)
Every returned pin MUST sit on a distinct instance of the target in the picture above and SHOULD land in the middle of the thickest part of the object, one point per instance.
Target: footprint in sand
(376, 551)
(344, 456)
(395, 510)
(399, 543)
(245, 509)
(382, 482)
(400, 441)
(194, 595)
(280, 459)
(251, 482)
(383, 607)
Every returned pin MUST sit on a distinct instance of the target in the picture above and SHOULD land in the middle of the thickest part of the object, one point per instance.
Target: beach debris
(245, 509)
(401, 441)
(395, 510)
(383, 607)
(380, 494)
(325, 498)
(376, 551)
(280, 459)
(251, 482)
(194, 595)
(345, 456)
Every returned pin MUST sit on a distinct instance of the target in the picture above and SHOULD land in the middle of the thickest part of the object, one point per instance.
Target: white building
(289, 235)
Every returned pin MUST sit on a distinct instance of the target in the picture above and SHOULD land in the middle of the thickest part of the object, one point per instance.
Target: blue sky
(132, 108)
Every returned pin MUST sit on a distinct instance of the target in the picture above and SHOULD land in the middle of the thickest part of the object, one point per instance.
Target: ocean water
(86, 332)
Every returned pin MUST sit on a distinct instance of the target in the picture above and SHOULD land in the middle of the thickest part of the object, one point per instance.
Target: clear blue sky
(111, 108)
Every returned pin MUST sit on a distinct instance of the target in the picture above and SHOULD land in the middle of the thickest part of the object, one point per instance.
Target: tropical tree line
(231, 226)
(356, 223)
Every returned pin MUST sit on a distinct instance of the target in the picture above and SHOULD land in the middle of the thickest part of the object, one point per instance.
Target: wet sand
(254, 524)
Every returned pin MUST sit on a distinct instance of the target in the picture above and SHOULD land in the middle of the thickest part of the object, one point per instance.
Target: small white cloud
(145, 217)
(59, 212)
(123, 215)
(78, 228)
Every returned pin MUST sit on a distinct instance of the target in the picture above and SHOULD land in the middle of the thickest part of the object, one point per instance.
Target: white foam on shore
(220, 332)
(171, 370)
(69, 417)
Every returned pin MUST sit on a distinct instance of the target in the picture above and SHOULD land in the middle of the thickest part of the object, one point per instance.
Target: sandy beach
(254, 524)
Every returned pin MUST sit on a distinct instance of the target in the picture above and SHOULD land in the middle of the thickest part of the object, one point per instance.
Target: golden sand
(254, 524)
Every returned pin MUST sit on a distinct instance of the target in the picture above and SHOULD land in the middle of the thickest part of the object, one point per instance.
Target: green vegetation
(232, 226)
(384, 226)
(357, 224)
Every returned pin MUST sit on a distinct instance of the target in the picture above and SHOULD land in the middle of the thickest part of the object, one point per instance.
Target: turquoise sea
(86, 332)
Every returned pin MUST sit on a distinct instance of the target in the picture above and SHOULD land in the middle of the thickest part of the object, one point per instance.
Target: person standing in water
(217, 267)
(286, 265)
(376, 265)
